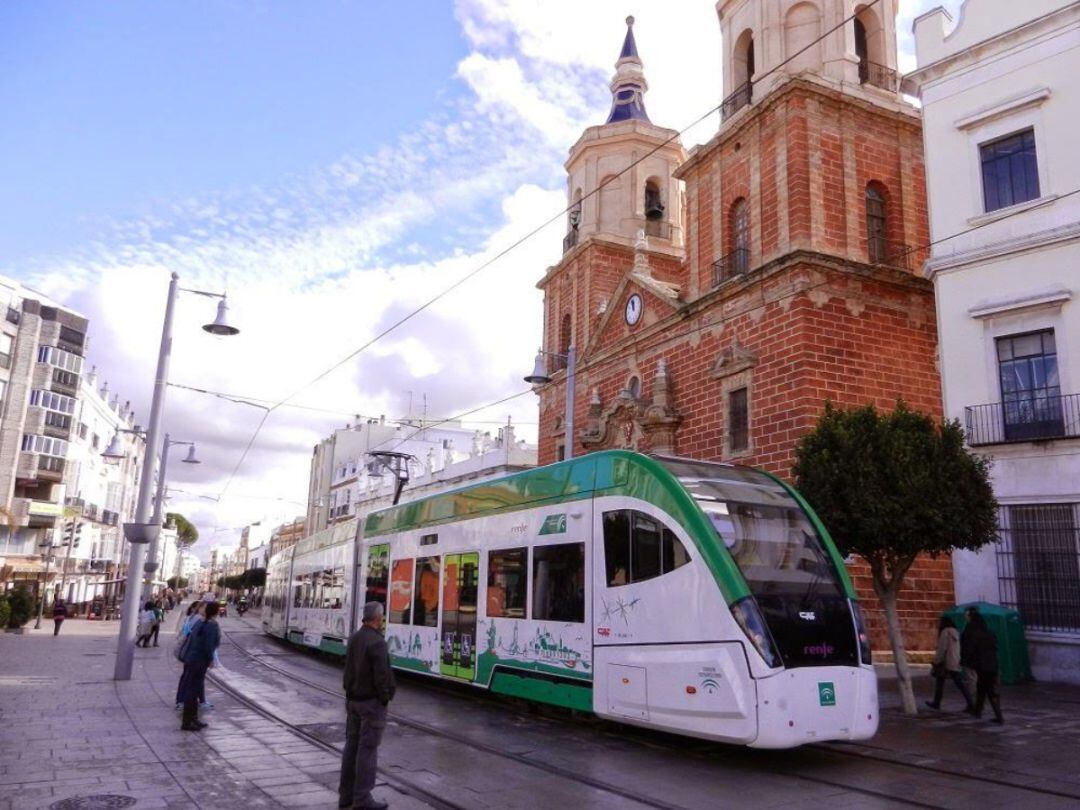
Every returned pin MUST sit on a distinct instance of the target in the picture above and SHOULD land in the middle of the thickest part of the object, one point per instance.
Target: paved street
(69, 731)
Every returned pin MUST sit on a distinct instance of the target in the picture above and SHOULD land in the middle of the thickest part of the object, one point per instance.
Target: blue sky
(332, 165)
(116, 107)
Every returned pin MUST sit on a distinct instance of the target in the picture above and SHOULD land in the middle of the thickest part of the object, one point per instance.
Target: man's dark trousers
(366, 720)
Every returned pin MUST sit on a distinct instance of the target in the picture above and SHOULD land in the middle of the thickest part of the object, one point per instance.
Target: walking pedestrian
(947, 664)
(146, 623)
(978, 650)
(59, 613)
(198, 657)
(155, 625)
(369, 688)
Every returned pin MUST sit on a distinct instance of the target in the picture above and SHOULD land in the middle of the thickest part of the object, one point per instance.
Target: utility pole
(45, 583)
(69, 542)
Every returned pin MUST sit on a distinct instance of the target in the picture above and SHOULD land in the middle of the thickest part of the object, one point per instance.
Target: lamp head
(539, 374)
(221, 326)
(190, 458)
(114, 453)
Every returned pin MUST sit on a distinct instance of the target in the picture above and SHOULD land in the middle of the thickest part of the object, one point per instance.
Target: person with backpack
(198, 656)
(978, 651)
(947, 664)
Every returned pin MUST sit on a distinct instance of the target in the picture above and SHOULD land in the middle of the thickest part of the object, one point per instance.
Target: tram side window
(638, 547)
(378, 574)
(401, 577)
(559, 583)
(506, 583)
(426, 593)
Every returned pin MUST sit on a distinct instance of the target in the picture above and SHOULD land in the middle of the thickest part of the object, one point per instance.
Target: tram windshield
(781, 557)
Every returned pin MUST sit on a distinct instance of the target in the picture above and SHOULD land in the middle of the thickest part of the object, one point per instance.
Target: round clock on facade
(634, 307)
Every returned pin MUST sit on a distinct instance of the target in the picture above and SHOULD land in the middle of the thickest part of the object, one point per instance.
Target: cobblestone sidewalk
(68, 730)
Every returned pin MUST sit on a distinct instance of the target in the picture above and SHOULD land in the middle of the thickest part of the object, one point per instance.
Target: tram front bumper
(814, 704)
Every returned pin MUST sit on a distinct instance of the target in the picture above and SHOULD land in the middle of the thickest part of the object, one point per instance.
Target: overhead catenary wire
(521, 240)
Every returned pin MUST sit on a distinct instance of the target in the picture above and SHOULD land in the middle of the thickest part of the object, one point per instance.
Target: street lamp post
(151, 565)
(141, 532)
(540, 376)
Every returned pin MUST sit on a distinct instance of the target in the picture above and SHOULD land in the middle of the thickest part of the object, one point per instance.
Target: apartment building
(1000, 89)
(60, 503)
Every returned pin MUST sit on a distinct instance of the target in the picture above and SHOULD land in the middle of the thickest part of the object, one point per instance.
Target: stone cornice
(902, 113)
(715, 297)
(977, 53)
(678, 254)
(1006, 247)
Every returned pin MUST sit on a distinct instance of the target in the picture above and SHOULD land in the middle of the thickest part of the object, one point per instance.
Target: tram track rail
(461, 739)
(650, 802)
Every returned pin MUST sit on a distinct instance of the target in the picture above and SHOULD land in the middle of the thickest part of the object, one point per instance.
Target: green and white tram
(692, 597)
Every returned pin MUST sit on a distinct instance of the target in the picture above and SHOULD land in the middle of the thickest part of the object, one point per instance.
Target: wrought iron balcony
(878, 76)
(896, 254)
(110, 518)
(659, 228)
(736, 101)
(736, 263)
(569, 240)
(1029, 418)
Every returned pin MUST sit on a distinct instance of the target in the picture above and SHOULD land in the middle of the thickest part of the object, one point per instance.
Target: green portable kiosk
(1008, 627)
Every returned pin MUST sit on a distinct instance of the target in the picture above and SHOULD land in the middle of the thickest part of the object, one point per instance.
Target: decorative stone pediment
(629, 419)
(732, 360)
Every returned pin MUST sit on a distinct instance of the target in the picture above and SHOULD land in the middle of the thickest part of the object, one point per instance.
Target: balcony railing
(736, 101)
(736, 263)
(65, 382)
(5, 361)
(570, 240)
(1031, 418)
(896, 254)
(50, 467)
(878, 76)
(110, 518)
(659, 228)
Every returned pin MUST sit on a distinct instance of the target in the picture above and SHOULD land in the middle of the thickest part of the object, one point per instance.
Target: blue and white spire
(628, 86)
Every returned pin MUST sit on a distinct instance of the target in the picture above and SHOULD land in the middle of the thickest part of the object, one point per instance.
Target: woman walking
(155, 625)
(146, 624)
(979, 652)
(198, 657)
(947, 664)
(59, 613)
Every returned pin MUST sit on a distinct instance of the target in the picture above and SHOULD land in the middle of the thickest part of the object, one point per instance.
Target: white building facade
(1001, 102)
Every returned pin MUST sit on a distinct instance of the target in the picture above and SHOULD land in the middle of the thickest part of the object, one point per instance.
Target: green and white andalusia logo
(554, 524)
(826, 693)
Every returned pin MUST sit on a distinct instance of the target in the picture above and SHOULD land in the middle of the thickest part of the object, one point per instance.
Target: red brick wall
(821, 323)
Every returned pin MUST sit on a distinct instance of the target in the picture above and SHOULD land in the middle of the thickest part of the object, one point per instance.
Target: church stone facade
(717, 299)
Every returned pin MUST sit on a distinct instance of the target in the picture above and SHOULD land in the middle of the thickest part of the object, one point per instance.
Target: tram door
(459, 596)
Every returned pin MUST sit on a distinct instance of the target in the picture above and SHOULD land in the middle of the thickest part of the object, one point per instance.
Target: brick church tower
(716, 301)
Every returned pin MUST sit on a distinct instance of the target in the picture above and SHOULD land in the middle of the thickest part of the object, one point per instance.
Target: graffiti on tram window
(619, 608)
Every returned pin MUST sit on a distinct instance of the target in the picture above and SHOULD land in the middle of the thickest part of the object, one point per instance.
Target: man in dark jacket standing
(369, 688)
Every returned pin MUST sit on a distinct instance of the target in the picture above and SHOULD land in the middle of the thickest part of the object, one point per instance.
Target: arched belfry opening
(743, 61)
(871, 49)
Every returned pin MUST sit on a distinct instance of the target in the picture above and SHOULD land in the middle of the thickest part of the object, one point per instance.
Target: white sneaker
(207, 707)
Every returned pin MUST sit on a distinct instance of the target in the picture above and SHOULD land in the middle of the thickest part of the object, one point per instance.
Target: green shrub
(5, 611)
(21, 605)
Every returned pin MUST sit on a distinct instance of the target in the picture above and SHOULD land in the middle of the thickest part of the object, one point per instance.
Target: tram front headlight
(750, 620)
(860, 630)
